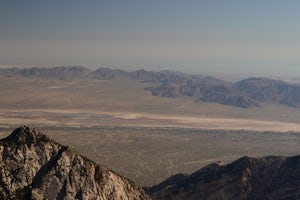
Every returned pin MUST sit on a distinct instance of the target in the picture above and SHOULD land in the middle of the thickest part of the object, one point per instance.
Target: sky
(232, 36)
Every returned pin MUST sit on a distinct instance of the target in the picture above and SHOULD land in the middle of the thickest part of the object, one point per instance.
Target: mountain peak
(247, 178)
(32, 166)
(26, 135)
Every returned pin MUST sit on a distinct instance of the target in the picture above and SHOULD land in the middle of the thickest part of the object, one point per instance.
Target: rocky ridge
(271, 177)
(246, 93)
(35, 167)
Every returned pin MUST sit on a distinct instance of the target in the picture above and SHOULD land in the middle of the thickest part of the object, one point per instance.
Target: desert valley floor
(149, 149)
(144, 137)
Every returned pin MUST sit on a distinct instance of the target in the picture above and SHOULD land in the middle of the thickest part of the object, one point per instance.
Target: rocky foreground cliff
(271, 177)
(32, 166)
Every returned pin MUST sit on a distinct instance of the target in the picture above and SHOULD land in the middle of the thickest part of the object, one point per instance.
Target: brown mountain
(79, 72)
(35, 167)
(245, 179)
(59, 73)
(247, 93)
(269, 90)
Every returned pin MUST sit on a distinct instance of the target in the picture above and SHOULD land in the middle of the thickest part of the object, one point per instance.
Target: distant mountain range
(32, 166)
(78, 72)
(245, 179)
(247, 93)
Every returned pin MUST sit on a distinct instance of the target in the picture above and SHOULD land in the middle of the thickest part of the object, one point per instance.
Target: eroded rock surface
(35, 167)
(271, 177)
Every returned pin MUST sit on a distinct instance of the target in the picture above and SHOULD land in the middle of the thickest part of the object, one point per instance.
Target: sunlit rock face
(35, 167)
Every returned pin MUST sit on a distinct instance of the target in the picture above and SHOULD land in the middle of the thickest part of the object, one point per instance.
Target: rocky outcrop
(271, 177)
(36, 167)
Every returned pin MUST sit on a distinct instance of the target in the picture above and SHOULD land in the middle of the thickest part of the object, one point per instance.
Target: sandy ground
(88, 118)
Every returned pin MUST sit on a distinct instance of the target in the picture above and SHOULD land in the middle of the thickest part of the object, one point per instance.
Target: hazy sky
(255, 36)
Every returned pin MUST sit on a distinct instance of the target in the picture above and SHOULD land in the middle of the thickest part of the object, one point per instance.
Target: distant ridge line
(247, 93)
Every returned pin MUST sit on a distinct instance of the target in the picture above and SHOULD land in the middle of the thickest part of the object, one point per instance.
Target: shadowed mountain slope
(247, 178)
